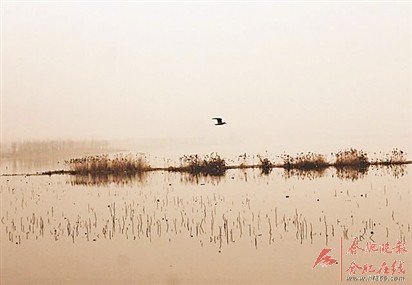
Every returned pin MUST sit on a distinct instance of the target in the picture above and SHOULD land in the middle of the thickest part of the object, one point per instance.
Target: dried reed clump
(303, 161)
(102, 164)
(265, 165)
(242, 159)
(396, 156)
(211, 164)
(351, 158)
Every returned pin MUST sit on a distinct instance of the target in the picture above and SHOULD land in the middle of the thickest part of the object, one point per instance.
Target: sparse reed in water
(395, 157)
(102, 164)
(309, 161)
(265, 165)
(212, 165)
(352, 158)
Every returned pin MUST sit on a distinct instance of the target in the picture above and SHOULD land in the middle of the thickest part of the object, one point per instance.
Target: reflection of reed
(344, 173)
(304, 174)
(395, 170)
(200, 179)
(265, 165)
(265, 170)
(351, 173)
(107, 179)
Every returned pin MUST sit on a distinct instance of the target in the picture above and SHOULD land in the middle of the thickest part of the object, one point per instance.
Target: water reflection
(395, 170)
(30, 165)
(38, 156)
(211, 217)
(351, 173)
(304, 174)
(233, 215)
(201, 179)
(265, 170)
(347, 173)
(344, 173)
(107, 179)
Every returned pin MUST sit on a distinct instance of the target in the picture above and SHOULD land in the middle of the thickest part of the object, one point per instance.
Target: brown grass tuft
(303, 161)
(265, 165)
(212, 165)
(395, 157)
(351, 158)
(102, 164)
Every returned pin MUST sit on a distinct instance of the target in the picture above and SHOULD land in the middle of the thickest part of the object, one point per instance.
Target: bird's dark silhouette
(219, 121)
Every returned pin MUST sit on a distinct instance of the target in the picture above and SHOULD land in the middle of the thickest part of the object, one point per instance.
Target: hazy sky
(311, 75)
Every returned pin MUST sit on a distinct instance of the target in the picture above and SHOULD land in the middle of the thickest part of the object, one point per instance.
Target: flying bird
(219, 121)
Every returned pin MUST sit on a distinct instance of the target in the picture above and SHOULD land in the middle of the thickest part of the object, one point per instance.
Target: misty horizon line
(103, 147)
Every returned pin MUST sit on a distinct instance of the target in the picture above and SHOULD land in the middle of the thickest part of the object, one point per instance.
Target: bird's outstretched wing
(219, 120)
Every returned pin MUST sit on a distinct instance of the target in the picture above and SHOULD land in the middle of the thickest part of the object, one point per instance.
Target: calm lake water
(172, 228)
